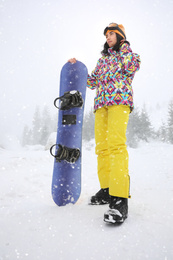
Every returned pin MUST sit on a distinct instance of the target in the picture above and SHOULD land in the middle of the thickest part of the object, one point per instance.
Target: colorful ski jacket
(112, 77)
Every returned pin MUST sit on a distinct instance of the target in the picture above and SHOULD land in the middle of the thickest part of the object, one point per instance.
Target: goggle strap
(114, 29)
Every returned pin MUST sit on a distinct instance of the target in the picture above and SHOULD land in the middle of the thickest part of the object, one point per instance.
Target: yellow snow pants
(112, 155)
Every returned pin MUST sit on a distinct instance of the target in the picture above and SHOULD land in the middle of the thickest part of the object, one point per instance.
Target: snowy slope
(33, 227)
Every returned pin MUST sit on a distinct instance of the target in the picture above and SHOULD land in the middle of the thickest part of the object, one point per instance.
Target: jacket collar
(111, 51)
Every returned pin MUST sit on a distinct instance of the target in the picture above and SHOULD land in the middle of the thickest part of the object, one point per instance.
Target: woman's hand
(73, 60)
(122, 41)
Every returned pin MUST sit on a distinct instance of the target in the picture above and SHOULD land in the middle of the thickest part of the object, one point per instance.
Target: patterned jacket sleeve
(130, 61)
(92, 80)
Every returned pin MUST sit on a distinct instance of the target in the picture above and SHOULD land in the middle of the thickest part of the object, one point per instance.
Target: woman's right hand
(73, 60)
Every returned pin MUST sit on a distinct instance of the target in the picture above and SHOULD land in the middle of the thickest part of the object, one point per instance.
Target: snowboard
(66, 181)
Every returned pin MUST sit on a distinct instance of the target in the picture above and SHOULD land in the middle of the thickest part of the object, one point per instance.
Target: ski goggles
(115, 29)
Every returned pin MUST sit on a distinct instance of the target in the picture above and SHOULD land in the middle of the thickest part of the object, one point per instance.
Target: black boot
(118, 211)
(101, 197)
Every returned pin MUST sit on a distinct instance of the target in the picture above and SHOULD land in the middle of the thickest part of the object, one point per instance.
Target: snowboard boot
(118, 211)
(100, 198)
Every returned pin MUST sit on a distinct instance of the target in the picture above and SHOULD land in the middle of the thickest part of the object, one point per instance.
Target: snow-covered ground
(33, 227)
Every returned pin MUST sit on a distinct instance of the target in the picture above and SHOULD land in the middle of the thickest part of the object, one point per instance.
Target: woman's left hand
(122, 41)
(73, 60)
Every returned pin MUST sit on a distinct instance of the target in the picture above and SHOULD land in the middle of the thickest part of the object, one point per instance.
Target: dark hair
(115, 47)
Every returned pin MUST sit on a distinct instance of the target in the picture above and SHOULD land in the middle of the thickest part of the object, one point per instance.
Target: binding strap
(70, 155)
(69, 100)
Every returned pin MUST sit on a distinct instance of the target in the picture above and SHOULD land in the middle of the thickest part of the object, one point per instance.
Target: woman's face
(111, 38)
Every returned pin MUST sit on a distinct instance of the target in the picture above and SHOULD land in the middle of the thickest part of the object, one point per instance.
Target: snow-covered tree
(170, 122)
(27, 136)
(139, 127)
(46, 125)
(36, 122)
(133, 128)
(43, 124)
(88, 126)
(162, 133)
(145, 130)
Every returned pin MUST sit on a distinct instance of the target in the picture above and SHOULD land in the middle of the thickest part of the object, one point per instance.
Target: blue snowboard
(66, 182)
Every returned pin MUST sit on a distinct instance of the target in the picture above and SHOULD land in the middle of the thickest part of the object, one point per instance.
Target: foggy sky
(38, 37)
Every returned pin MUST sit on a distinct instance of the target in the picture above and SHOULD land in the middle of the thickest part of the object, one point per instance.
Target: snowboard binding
(69, 100)
(65, 153)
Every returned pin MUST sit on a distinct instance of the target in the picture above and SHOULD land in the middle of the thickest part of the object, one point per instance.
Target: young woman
(113, 103)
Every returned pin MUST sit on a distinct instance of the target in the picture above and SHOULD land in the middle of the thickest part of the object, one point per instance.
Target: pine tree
(88, 126)
(170, 122)
(42, 126)
(54, 122)
(46, 125)
(133, 128)
(162, 133)
(145, 130)
(36, 131)
(27, 136)
(139, 127)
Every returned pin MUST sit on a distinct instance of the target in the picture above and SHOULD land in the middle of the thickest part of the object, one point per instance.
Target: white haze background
(36, 39)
